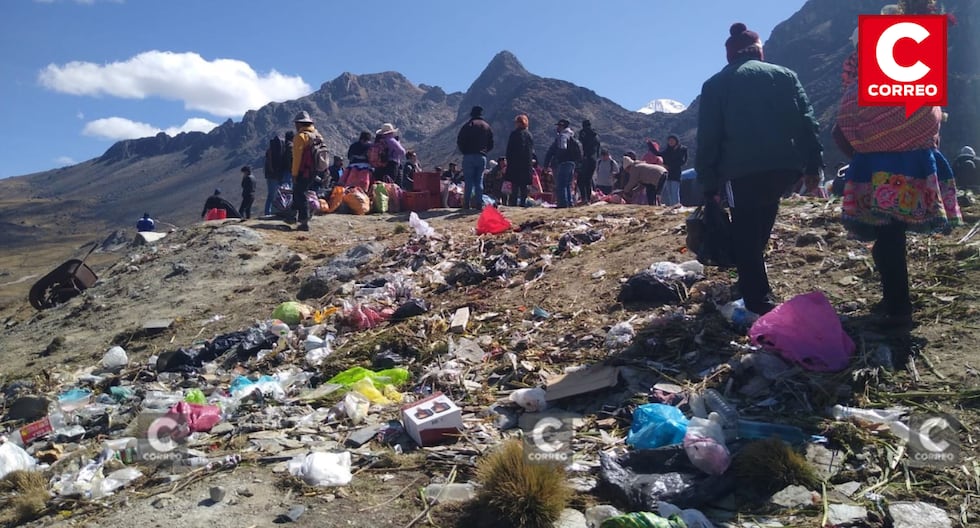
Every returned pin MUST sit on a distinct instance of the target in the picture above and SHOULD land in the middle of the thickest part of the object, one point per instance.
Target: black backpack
(573, 150)
(709, 236)
(275, 157)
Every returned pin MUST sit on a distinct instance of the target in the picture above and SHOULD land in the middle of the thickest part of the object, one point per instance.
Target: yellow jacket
(302, 139)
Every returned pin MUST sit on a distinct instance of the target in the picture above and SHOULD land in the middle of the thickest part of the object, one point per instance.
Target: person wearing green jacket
(756, 137)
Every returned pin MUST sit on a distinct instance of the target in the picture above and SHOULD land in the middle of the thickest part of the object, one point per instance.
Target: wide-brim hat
(302, 117)
(386, 128)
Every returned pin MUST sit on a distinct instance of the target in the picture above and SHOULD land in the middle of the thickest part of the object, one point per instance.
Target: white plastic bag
(704, 443)
(115, 357)
(422, 228)
(356, 406)
(620, 336)
(13, 458)
(322, 469)
(531, 400)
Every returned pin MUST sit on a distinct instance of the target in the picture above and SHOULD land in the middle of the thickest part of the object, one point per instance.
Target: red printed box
(432, 420)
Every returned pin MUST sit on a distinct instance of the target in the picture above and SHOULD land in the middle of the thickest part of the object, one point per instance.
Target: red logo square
(902, 61)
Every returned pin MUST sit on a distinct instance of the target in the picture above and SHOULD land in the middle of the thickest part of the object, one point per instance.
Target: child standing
(248, 192)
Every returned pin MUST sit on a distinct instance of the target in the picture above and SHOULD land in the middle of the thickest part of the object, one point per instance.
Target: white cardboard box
(432, 420)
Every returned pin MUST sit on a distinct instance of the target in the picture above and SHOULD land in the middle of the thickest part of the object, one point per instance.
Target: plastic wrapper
(531, 400)
(805, 330)
(656, 425)
(421, 227)
(704, 443)
(322, 469)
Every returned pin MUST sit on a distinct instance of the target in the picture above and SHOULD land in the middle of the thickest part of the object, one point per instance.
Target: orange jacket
(302, 139)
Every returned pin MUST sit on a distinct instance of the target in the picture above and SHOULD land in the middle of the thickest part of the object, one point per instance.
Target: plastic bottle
(736, 314)
(729, 415)
(881, 416)
(751, 430)
(53, 423)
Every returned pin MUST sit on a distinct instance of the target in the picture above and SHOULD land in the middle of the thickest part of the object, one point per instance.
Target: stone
(294, 513)
(245, 492)
(595, 515)
(845, 513)
(825, 462)
(217, 493)
(570, 518)
(918, 515)
(793, 497)
(848, 488)
(222, 428)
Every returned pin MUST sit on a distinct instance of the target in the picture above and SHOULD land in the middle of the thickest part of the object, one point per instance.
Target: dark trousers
(890, 259)
(518, 195)
(754, 200)
(651, 193)
(246, 209)
(585, 179)
(300, 205)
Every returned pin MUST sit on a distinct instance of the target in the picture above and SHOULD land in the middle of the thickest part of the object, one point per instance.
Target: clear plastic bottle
(752, 430)
(53, 423)
(729, 414)
(880, 416)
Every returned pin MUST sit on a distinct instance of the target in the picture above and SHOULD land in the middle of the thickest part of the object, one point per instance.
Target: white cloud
(222, 87)
(80, 115)
(118, 128)
(64, 161)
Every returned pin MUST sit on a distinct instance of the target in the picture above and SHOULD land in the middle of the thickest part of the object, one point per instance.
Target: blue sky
(78, 75)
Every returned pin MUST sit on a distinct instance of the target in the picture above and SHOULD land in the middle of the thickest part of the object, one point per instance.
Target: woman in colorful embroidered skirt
(897, 181)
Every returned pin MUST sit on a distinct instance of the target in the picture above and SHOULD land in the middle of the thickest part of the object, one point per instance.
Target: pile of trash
(684, 411)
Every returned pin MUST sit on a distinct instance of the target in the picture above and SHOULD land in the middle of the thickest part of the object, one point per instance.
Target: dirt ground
(220, 277)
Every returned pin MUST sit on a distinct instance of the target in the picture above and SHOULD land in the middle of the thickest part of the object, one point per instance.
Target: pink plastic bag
(805, 330)
(200, 418)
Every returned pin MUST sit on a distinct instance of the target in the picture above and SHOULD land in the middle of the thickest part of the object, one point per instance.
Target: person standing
(756, 131)
(897, 181)
(248, 192)
(411, 167)
(335, 172)
(275, 165)
(520, 150)
(605, 172)
(302, 170)
(675, 157)
(387, 142)
(562, 156)
(590, 155)
(475, 140)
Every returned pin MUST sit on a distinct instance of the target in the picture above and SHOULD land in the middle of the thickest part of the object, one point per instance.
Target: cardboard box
(432, 420)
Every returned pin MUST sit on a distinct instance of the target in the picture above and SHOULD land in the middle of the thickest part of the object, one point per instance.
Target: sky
(78, 75)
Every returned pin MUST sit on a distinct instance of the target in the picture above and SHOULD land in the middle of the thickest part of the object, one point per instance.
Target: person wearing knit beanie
(743, 42)
(757, 137)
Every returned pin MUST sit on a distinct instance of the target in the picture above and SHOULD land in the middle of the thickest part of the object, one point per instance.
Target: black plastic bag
(647, 287)
(709, 235)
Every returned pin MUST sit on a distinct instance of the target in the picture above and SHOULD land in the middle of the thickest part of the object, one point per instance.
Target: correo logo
(902, 61)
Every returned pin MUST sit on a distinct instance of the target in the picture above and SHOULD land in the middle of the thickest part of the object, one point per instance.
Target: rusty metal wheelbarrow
(62, 283)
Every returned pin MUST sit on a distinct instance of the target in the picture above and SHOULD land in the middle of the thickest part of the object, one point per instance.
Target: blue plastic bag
(656, 425)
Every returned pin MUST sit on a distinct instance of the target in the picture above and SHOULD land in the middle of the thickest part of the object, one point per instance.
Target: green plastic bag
(291, 312)
(393, 376)
(643, 520)
(380, 202)
(195, 396)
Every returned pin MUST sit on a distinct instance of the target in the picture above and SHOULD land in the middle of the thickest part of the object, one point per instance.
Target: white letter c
(885, 52)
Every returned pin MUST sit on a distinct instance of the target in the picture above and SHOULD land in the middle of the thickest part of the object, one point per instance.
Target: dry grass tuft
(31, 497)
(773, 465)
(518, 492)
